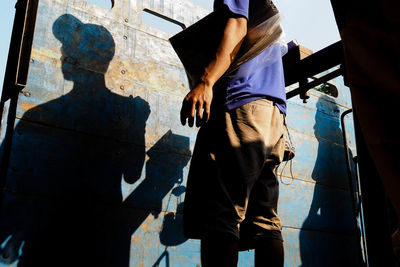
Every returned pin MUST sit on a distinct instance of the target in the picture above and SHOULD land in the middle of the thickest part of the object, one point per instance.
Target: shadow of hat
(91, 46)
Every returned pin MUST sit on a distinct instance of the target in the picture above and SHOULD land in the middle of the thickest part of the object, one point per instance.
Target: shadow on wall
(63, 204)
(327, 236)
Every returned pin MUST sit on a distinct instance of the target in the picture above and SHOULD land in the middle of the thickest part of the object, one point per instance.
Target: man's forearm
(234, 33)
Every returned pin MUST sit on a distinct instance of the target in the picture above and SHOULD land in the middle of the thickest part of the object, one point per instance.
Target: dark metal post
(355, 195)
(16, 74)
(375, 207)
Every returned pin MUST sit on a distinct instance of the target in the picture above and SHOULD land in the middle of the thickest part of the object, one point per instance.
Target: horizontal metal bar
(307, 86)
(183, 26)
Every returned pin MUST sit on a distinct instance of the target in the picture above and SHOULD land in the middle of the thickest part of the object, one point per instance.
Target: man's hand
(197, 103)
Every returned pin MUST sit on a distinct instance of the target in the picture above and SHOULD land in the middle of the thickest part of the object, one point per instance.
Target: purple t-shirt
(256, 78)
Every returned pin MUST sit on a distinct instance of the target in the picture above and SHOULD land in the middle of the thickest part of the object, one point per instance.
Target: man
(232, 190)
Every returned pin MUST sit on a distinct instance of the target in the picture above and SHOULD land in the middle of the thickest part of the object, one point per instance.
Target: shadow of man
(163, 180)
(69, 156)
(330, 210)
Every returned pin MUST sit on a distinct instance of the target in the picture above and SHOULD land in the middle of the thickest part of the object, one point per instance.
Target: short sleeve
(239, 7)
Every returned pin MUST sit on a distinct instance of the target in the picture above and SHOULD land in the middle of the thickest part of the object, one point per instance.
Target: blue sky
(310, 22)
(6, 22)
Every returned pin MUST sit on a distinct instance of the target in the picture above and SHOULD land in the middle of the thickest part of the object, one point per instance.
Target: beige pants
(232, 187)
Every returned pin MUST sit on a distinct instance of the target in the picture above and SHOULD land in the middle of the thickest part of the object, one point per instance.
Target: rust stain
(153, 74)
(27, 106)
(136, 238)
(145, 226)
(44, 55)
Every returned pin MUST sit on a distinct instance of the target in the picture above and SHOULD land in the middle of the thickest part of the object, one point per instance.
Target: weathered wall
(316, 208)
(99, 159)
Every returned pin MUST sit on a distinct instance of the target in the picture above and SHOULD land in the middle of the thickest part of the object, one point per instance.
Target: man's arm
(198, 101)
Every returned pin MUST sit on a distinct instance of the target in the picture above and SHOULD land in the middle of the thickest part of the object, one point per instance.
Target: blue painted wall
(99, 160)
